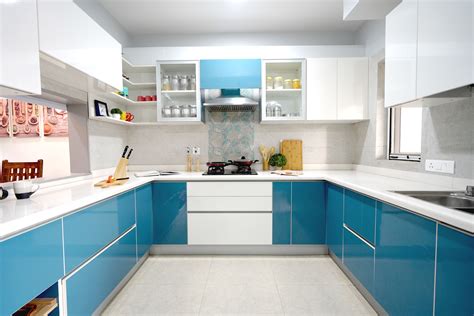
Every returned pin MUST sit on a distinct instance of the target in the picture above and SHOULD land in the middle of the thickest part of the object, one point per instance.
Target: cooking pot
(242, 162)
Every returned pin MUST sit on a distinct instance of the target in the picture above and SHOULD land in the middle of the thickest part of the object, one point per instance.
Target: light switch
(441, 166)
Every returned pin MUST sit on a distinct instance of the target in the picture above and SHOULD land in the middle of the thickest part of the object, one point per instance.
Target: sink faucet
(470, 190)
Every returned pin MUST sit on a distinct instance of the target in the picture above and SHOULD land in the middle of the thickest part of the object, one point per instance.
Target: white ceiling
(159, 17)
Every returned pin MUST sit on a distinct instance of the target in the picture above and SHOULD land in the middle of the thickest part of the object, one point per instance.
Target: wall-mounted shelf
(138, 85)
(175, 92)
(127, 102)
(110, 120)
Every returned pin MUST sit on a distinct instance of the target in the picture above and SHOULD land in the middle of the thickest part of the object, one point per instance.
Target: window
(405, 133)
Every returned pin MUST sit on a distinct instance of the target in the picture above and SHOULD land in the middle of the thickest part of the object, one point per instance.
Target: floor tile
(236, 271)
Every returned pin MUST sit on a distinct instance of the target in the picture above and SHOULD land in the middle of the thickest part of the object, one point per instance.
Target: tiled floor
(217, 285)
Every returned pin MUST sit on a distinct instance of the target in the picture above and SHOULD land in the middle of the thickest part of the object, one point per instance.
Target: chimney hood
(231, 100)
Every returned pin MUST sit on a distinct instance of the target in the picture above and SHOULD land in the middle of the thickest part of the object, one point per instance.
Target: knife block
(121, 169)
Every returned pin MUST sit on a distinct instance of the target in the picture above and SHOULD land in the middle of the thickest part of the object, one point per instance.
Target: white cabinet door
(400, 53)
(321, 83)
(352, 88)
(444, 45)
(68, 34)
(19, 54)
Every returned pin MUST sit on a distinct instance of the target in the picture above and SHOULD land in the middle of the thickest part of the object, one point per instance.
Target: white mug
(24, 189)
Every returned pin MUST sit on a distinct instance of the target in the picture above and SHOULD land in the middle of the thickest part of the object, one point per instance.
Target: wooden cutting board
(292, 149)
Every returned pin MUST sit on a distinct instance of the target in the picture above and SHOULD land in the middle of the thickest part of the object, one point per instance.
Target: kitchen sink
(455, 200)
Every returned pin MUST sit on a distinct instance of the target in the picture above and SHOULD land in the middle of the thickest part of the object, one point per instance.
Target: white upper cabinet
(68, 34)
(429, 49)
(444, 45)
(322, 88)
(19, 55)
(352, 88)
(400, 53)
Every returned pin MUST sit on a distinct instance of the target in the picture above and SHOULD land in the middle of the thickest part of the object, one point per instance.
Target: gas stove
(227, 169)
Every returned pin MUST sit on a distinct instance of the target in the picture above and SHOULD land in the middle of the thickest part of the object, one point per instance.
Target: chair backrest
(14, 171)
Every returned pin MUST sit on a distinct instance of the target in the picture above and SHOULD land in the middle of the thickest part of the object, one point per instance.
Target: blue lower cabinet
(91, 285)
(29, 264)
(89, 230)
(170, 213)
(334, 218)
(454, 273)
(359, 259)
(144, 206)
(281, 213)
(308, 213)
(359, 214)
(404, 261)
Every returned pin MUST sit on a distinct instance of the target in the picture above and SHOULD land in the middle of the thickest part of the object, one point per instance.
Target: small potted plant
(115, 112)
(277, 161)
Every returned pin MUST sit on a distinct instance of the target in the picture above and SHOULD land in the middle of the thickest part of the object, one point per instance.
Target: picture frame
(101, 108)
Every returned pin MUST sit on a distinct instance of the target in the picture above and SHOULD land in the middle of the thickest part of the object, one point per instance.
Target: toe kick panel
(229, 228)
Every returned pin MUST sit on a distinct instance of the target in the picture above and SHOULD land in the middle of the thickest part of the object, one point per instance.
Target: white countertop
(53, 202)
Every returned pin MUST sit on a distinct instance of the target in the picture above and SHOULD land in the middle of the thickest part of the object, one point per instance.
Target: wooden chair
(14, 171)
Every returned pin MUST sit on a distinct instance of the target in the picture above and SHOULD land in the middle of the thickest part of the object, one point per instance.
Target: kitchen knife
(129, 153)
(125, 151)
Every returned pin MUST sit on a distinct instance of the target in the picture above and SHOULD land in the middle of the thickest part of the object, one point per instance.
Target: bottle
(197, 159)
(189, 160)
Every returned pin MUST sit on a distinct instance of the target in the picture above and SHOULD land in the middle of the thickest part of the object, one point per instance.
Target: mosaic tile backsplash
(231, 135)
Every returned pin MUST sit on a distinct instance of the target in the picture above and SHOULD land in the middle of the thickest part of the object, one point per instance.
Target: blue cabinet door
(29, 264)
(334, 218)
(308, 213)
(359, 259)
(89, 230)
(170, 213)
(454, 273)
(144, 205)
(231, 73)
(359, 214)
(88, 288)
(404, 261)
(281, 213)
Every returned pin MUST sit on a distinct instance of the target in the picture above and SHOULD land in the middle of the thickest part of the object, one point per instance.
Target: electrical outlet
(441, 166)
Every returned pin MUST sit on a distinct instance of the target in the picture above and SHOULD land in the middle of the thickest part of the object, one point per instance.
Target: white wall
(106, 143)
(54, 151)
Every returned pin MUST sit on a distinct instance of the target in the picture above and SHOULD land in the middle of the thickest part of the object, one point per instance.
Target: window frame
(394, 121)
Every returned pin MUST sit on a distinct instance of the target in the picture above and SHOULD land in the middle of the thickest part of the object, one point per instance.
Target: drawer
(359, 259)
(229, 189)
(88, 288)
(88, 231)
(229, 229)
(29, 264)
(230, 203)
(359, 214)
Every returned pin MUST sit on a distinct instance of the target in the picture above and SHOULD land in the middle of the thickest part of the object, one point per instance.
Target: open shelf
(129, 68)
(110, 120)
(283, 91)
(178, 92)
(127, 102)
(138, 85)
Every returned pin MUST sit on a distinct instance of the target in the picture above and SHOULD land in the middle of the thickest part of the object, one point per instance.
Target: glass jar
(175, 83)
(277, 110)
(175, 111)
(185, 111)
(192, 83)
(183, 82)
(166, 84)
(278, 83)
(288, 84)
(193, 110)
(269, 109)
(296, 84)
(166, 111)
(269, 83)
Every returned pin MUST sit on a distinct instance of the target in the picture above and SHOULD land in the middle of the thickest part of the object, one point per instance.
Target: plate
(20, 120)
(33, 120)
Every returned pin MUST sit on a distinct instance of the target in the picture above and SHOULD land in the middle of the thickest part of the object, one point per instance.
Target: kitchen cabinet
(281, 213)
(230, 73)
(404, 261)
(144, 209)
(90, 286)
(170, 213)
(359, 258)
(68, 34)
(322, 88)
(29, 264)
(308, 213)
(359, 214)
(454, 272)
(87, 231)
(334, 218)
(19, 51)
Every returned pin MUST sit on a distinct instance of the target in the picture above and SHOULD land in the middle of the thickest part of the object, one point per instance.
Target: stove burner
(243, 170)
(218, 168)
(215, 170)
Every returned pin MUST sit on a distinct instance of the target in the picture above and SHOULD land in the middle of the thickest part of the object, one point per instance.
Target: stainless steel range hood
(231, 100)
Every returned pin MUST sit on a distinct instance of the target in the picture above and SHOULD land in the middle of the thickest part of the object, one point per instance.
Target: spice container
(269, 82)
(183, 82)
(166, 111)
(166, 84)
(296, 84)
(278, 83)
(185, 111)
(175, 111)
(193, 110)
(288, 84)
(192, 83)
(269, 109)
(277, 110)
(175, 83)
